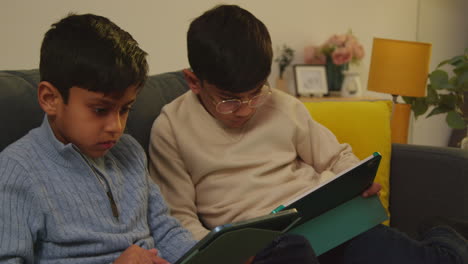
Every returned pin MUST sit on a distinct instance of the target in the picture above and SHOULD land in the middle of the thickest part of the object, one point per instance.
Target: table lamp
(399, 68)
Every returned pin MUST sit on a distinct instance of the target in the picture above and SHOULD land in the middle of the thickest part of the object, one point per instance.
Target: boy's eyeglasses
(230, 106)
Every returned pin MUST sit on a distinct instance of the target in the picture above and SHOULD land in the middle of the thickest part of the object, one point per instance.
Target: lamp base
(400, 123)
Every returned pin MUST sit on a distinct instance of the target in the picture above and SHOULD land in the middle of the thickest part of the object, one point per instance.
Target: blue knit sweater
(54, 209)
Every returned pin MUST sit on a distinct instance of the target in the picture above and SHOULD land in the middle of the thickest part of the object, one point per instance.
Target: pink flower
(312, 55)
(337, 40)
(358, 52)
(357, 49)
(341, 56)
(341, 48)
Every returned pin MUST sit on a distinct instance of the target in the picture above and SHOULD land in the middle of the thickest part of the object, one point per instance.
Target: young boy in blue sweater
(76, 189)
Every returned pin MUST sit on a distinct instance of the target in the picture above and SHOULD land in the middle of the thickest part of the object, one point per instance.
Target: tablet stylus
(277, 209)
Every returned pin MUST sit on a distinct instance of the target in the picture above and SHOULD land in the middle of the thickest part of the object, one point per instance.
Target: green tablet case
(236, 242)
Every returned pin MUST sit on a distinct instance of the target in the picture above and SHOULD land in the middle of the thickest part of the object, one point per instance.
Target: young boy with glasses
(231, 148)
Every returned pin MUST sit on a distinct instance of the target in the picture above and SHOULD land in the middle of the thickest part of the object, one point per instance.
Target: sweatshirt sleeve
(20, 216)
(167, 169)
(319, 147)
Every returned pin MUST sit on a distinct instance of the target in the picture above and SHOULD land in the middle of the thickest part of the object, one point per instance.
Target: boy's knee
(292, 241)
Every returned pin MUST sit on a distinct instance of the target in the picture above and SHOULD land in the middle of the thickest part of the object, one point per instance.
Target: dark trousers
(287, 249)
(380, 244)
(385, 245)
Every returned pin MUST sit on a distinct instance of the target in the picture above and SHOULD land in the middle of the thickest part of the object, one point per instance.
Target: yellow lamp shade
(399, 67)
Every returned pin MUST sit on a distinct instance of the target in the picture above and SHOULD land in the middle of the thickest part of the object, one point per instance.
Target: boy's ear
(192, 80)
(49, 98)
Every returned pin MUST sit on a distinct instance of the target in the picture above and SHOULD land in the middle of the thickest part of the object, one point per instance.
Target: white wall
(160, 27)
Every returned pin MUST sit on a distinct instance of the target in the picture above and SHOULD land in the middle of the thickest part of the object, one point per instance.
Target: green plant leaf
(438, 110)
(448, 101)
(463, 78)
(455, 61)
(448, 86)
(464, 87)
(461, 67)
(442, 63)
(419, 106)
(453, 85)
(455, 120)
(438, 78)
(432, 96)
(286, 55)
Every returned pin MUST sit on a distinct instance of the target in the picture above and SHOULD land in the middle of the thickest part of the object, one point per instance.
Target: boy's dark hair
(230, 48)
(93, 53)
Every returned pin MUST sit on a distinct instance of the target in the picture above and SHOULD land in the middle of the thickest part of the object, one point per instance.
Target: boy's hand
(372, 190)
(137, 255)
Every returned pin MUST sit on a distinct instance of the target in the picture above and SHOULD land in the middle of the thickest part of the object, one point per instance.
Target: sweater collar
(63, 154)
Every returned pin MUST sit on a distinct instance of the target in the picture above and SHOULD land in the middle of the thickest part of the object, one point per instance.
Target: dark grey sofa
(425, 181)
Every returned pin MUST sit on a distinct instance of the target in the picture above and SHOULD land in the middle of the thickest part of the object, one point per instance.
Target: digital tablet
(236, 242)
(344, 187)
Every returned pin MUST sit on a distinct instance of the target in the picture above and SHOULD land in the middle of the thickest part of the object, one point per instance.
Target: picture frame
(310, 80)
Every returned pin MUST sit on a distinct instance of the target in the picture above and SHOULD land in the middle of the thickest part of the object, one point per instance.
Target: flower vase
(334, 75)
(351, 84)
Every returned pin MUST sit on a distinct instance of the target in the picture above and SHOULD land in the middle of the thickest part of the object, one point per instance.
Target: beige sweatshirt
(212, 175)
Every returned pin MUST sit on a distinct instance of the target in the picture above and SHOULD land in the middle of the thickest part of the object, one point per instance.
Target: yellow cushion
(365, 125)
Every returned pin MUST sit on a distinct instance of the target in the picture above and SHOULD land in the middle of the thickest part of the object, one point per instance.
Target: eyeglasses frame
(241, 102)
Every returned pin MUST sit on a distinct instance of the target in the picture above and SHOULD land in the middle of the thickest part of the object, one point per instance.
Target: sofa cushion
(158, 91)
(19, 109)
(365, 125)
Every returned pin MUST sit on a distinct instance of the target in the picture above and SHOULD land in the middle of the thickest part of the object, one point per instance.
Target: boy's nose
(114, 123)
(244, 110)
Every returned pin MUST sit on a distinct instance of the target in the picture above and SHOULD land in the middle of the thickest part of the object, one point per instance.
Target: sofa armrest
(427, 181)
